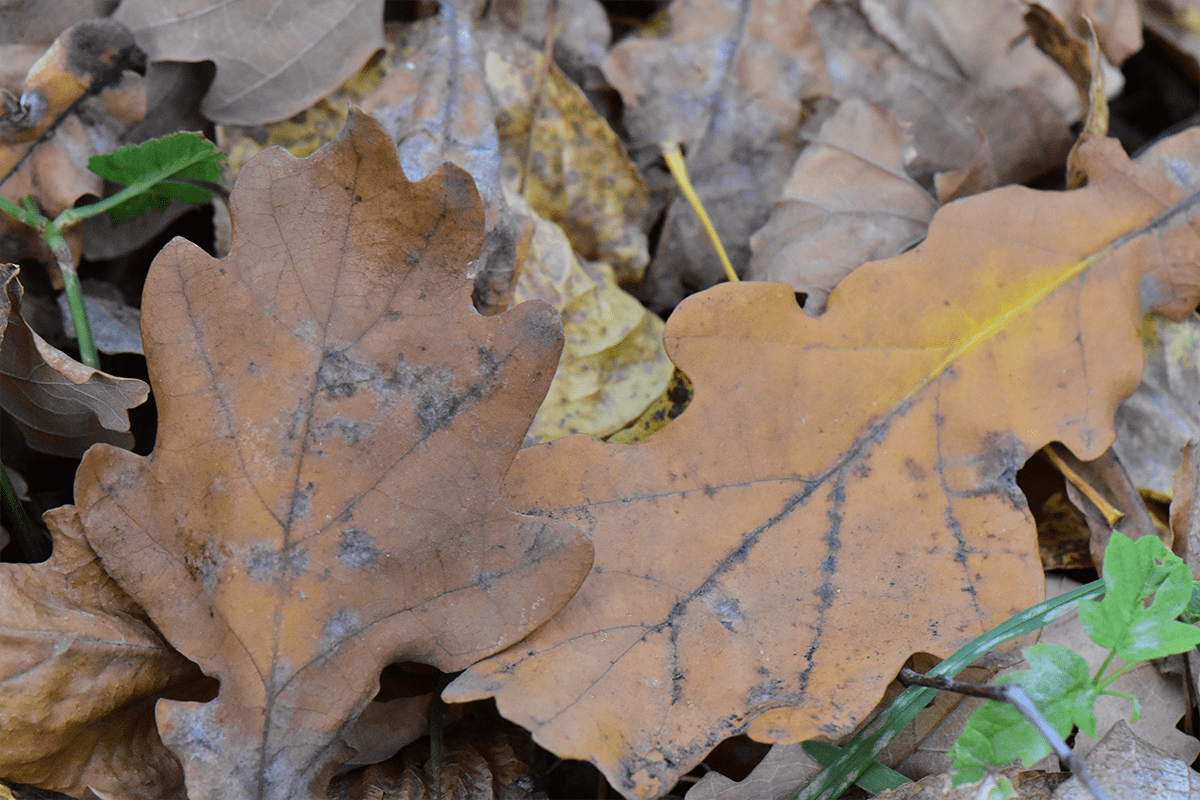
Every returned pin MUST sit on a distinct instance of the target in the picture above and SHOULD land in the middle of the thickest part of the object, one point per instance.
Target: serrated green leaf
(1059, 684)
(1121, 621)
(157, 171)
(1054, 671)
(995, 735)
(1151, 637)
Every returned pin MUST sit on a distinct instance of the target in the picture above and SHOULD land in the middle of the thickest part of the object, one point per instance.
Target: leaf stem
(674, 158)
(83, 327)
(29, 217)
(1116, 676)
(1102, 667)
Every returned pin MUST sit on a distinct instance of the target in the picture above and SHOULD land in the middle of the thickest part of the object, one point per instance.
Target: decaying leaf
(39, 21)
(853, 499)
(484, 763)
(957, 75)
(727, 82)
(116, 326)
(335, 421)
(579, 175)
(62, 406)
(81, 665)
(848, 201)
(1158, 419)
(266, 70)
(434, 102)
(1126, 766)
(777, 777)
(76, 100)
(613, 364)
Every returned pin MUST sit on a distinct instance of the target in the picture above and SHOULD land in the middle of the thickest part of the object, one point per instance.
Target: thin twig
(1016, 697)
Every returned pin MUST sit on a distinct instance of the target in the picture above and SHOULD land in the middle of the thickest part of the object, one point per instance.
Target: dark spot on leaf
(489, 365)
(542, 327)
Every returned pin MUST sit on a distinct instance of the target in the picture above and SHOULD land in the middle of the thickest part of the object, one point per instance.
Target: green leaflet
(1058, 681)
(158, 171)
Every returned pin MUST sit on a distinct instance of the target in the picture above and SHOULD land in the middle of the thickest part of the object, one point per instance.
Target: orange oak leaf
(841, 491)
(335, 421)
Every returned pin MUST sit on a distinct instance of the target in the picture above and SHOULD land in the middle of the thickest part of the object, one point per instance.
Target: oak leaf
(81, 666)
(1125, 765)
(266, 70)
(434, 102)
(564, 157)
(1158, 419)
(335, 421)
(972, 129)
(613, 364)
(853, 499)
(61, 406)
(848, 201)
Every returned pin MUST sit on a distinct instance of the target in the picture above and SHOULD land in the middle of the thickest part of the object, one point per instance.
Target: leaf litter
(675, 548)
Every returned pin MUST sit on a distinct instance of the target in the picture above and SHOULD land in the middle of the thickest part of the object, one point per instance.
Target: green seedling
(1059, 682)
(154, 173)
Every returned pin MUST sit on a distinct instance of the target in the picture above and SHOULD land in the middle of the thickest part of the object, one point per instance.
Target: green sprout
(154, 173)
(1058, 683)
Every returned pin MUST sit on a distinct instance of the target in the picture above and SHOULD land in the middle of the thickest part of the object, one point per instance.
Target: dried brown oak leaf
(434, 102)
(972, 130)
(61, 406)
(81, 666)
(841, 491)
(848, 201)
(335, 421)
(274, 58)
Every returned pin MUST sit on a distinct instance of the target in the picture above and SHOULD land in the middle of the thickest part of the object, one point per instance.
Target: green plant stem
(1116, 676)
(83, 326)
(1104, 666)
(52, 234)
(868, 743)
(31, 218)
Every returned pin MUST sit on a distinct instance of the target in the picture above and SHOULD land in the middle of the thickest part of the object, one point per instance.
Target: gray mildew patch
(356, 549)
(341, 625)
(268, 564)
